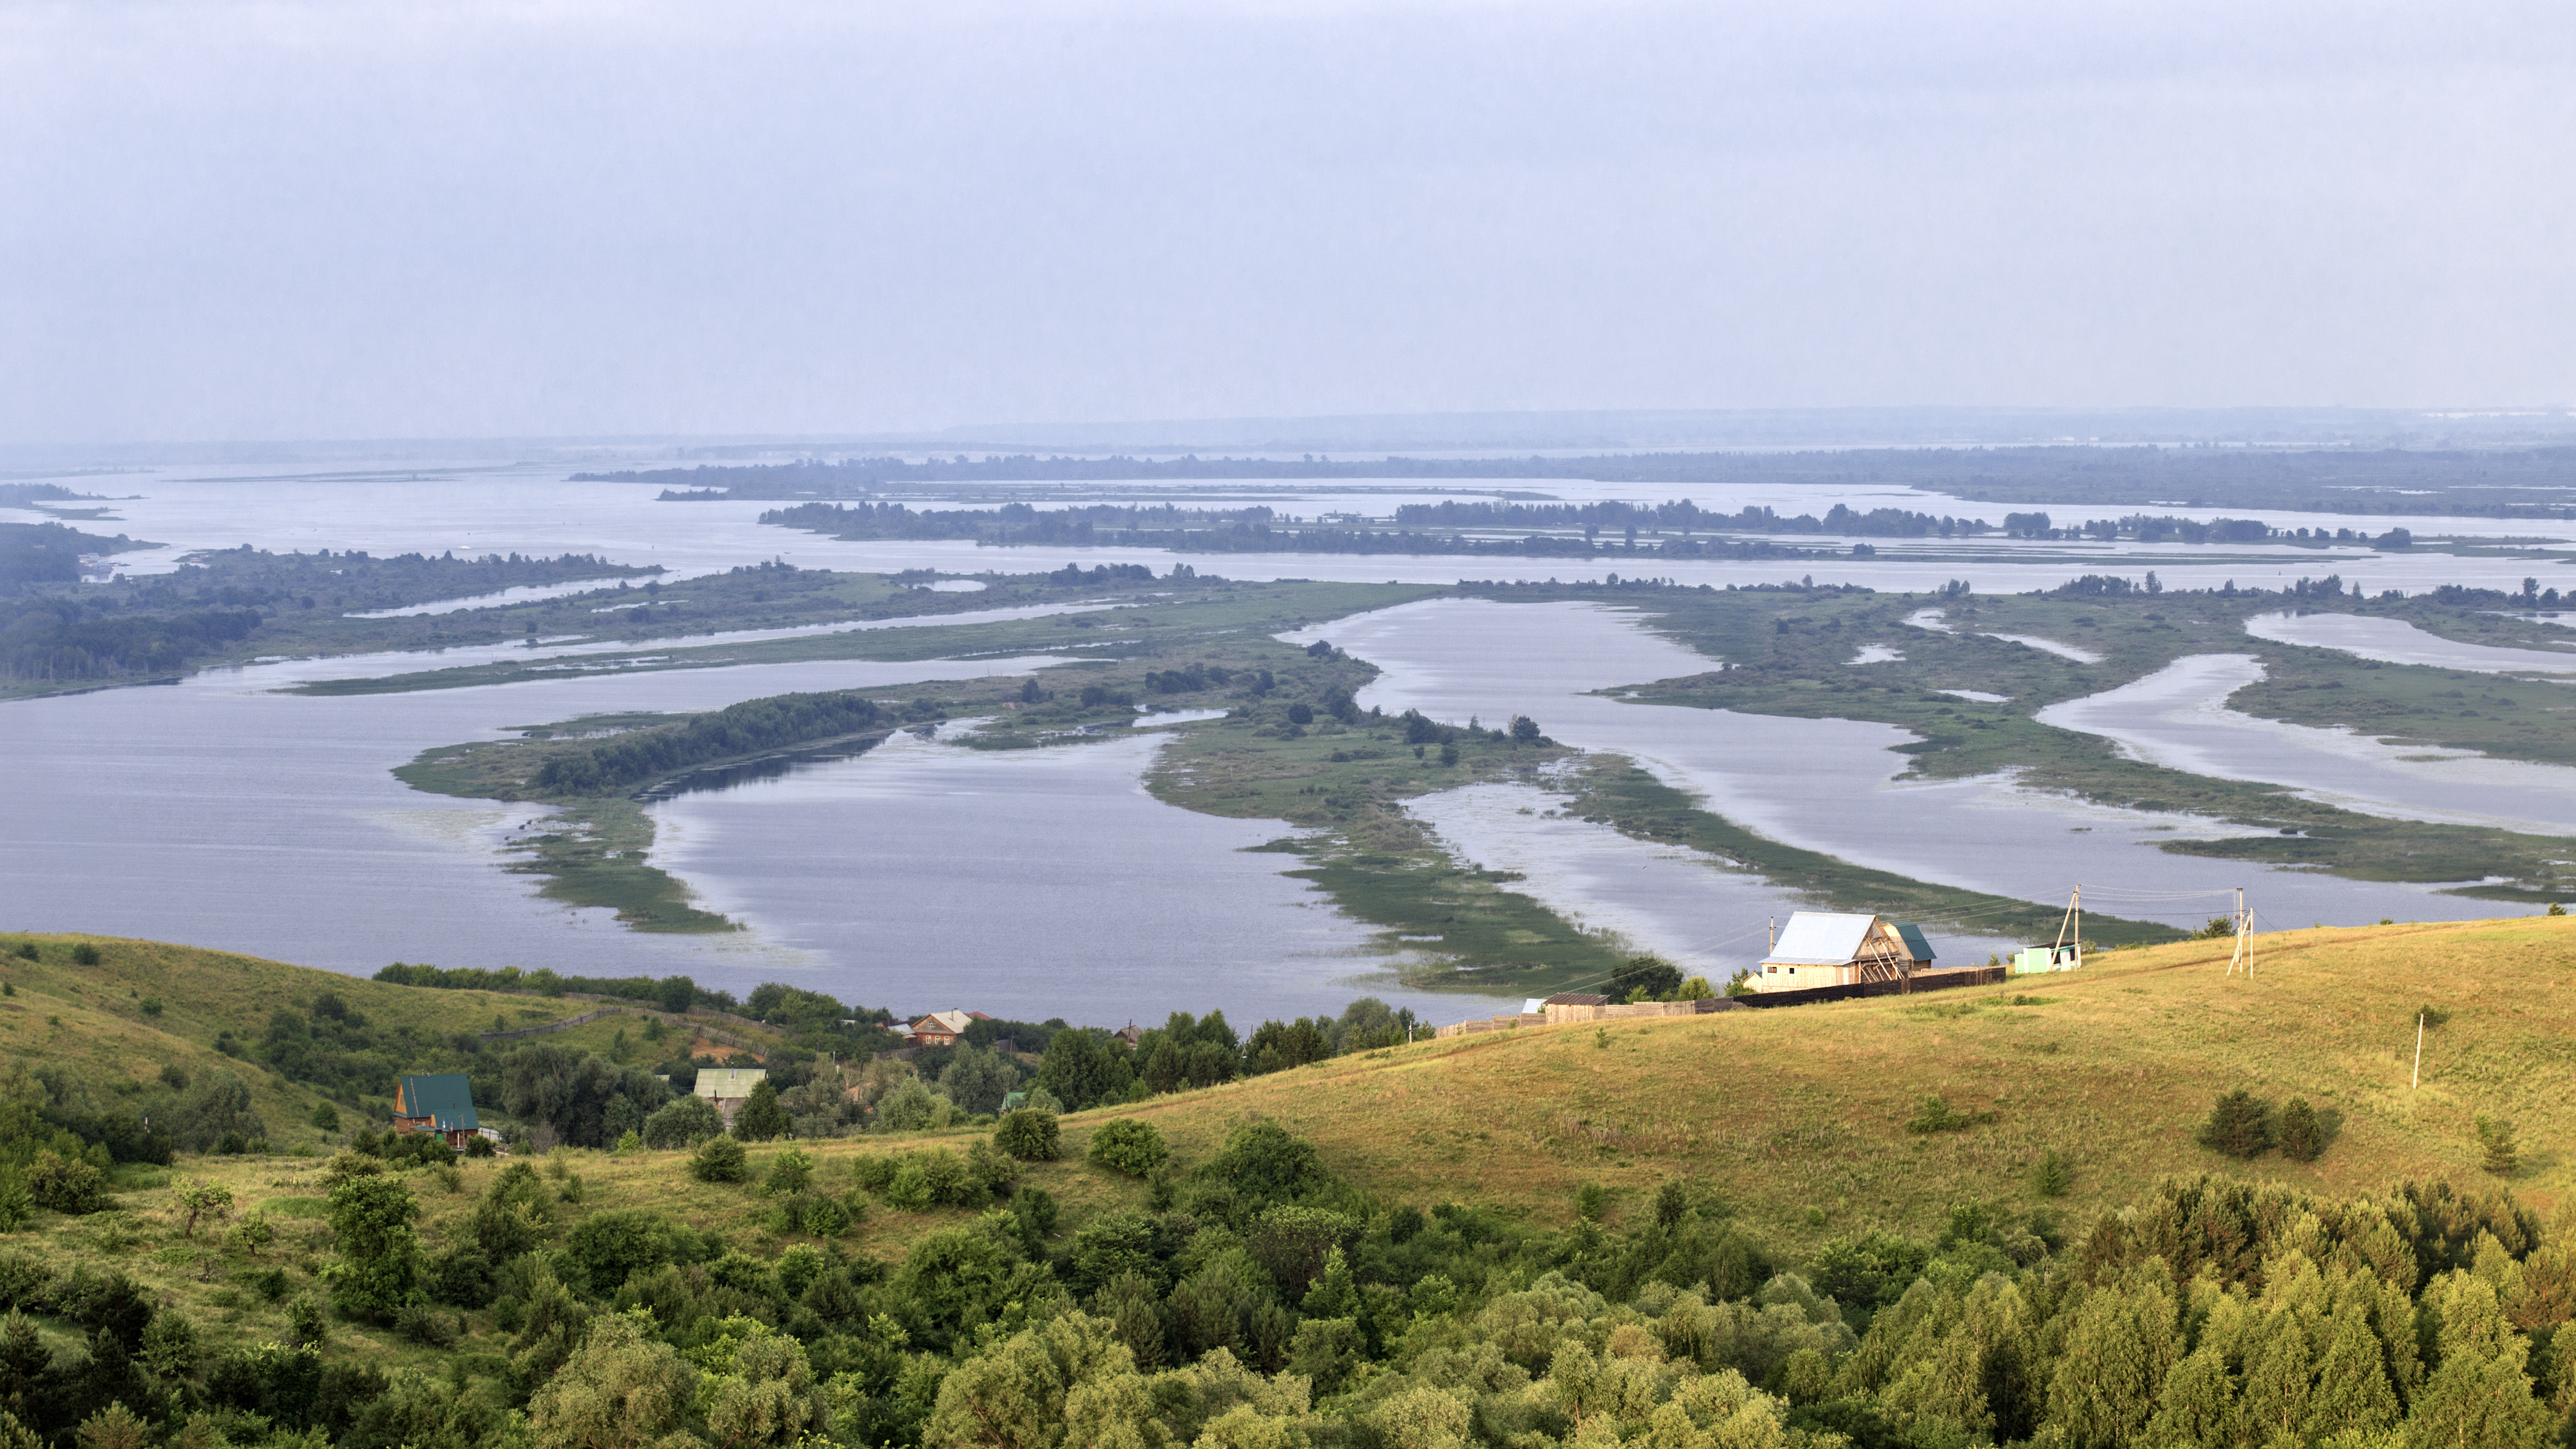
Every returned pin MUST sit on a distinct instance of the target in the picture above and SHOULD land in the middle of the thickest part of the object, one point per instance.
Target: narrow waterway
(1827, 785)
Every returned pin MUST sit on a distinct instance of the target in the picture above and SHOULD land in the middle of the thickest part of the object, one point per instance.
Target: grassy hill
(1794, 1117)
(1797, 1114)
(144, 1005)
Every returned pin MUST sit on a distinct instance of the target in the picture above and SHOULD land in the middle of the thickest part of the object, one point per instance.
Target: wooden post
(2419, 1053)
(2244, 952)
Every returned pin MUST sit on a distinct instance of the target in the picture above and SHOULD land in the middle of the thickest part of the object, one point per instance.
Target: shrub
(951, 1183)
(425, 1325)
(1658, 979)
(371, 1225)
(2052, 1175)
(682, 1123)
(2239, 1125)
(1130, 1146)
(325, 1118)
(68, 1185)
(1030, 1136)
(461, 1277)
(2496, 1136)
(305, 1324)
(789, 1172)
(761, 1118)
(825, 1218)
(909, 1189)
(1590, 1202)
(84, 954)
(607, 1248)
(873, 1171)
(2303, 1136)
(1937, 1115)
(720, 1159)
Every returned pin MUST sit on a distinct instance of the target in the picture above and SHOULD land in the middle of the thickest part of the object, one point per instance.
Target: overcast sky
(349, 219)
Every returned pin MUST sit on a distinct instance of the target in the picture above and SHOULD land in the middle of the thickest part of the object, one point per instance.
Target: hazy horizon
(293, 220)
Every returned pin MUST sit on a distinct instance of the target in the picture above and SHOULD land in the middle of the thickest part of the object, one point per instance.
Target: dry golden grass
(1781, 1111)
(1791, 1109)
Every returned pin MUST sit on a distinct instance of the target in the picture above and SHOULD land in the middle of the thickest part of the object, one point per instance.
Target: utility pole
(2072, 921)
(2419, 1053)
(2244, 953)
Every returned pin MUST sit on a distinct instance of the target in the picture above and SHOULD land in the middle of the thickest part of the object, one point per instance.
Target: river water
(2178, 717)
(1827, 785)
(219, 813)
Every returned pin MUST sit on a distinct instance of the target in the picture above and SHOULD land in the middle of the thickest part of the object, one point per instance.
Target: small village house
(1821, 948)
(942, 1028)
(443, 1104)
(727, 1088)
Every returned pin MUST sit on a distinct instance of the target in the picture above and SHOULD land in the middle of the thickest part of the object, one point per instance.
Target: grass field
(147, 1004)
(1794, 1116)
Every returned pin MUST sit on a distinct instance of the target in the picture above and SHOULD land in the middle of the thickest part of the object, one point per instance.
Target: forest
(1255, 1298)
(55, 630)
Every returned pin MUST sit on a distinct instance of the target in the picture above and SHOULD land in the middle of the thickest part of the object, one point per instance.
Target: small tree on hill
(719, 1159)
(1028, 1135)
(1655, 977)
(371, 1217)
(2496, 1136)
(1125, 1144)
(761, 1118)
(2303, 1136)
(2239, 1125)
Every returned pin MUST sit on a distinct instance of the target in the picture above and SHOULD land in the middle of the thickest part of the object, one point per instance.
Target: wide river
(922, 876)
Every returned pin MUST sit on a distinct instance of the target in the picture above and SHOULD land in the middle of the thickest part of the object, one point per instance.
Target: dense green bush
(70, 1185)
(761, 1119)
(1129, 1145)
(2239, 1125)
(682, 1122)
(1030, 1136)
(720, 1159)
(2303, 1135)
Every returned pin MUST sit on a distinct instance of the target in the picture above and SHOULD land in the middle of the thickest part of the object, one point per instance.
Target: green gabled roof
(1915, 944)
(446, 1099)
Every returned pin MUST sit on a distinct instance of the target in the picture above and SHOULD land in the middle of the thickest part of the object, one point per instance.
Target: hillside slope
(1795, 1109)
(145, 1005)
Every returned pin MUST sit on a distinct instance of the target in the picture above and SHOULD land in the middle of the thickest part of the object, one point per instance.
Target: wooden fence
(689, 1023)
(1568, 1015)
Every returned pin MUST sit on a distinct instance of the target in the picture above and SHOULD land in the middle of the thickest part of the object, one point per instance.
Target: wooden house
(727, 1088)
(1821, 948)
(943, 1028)
(443, 1104)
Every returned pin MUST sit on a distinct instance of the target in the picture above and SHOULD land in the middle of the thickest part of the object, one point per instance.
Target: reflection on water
(2394, 641)
(219, 813)
(1938, 621)
(567, 659)
(1028, 883)
(1666, 899)
(1826, 785)
(406, 505)
(2178, 717)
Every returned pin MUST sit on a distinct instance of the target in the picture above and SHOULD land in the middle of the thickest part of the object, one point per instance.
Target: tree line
(636, 756)
(1254, 1299)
